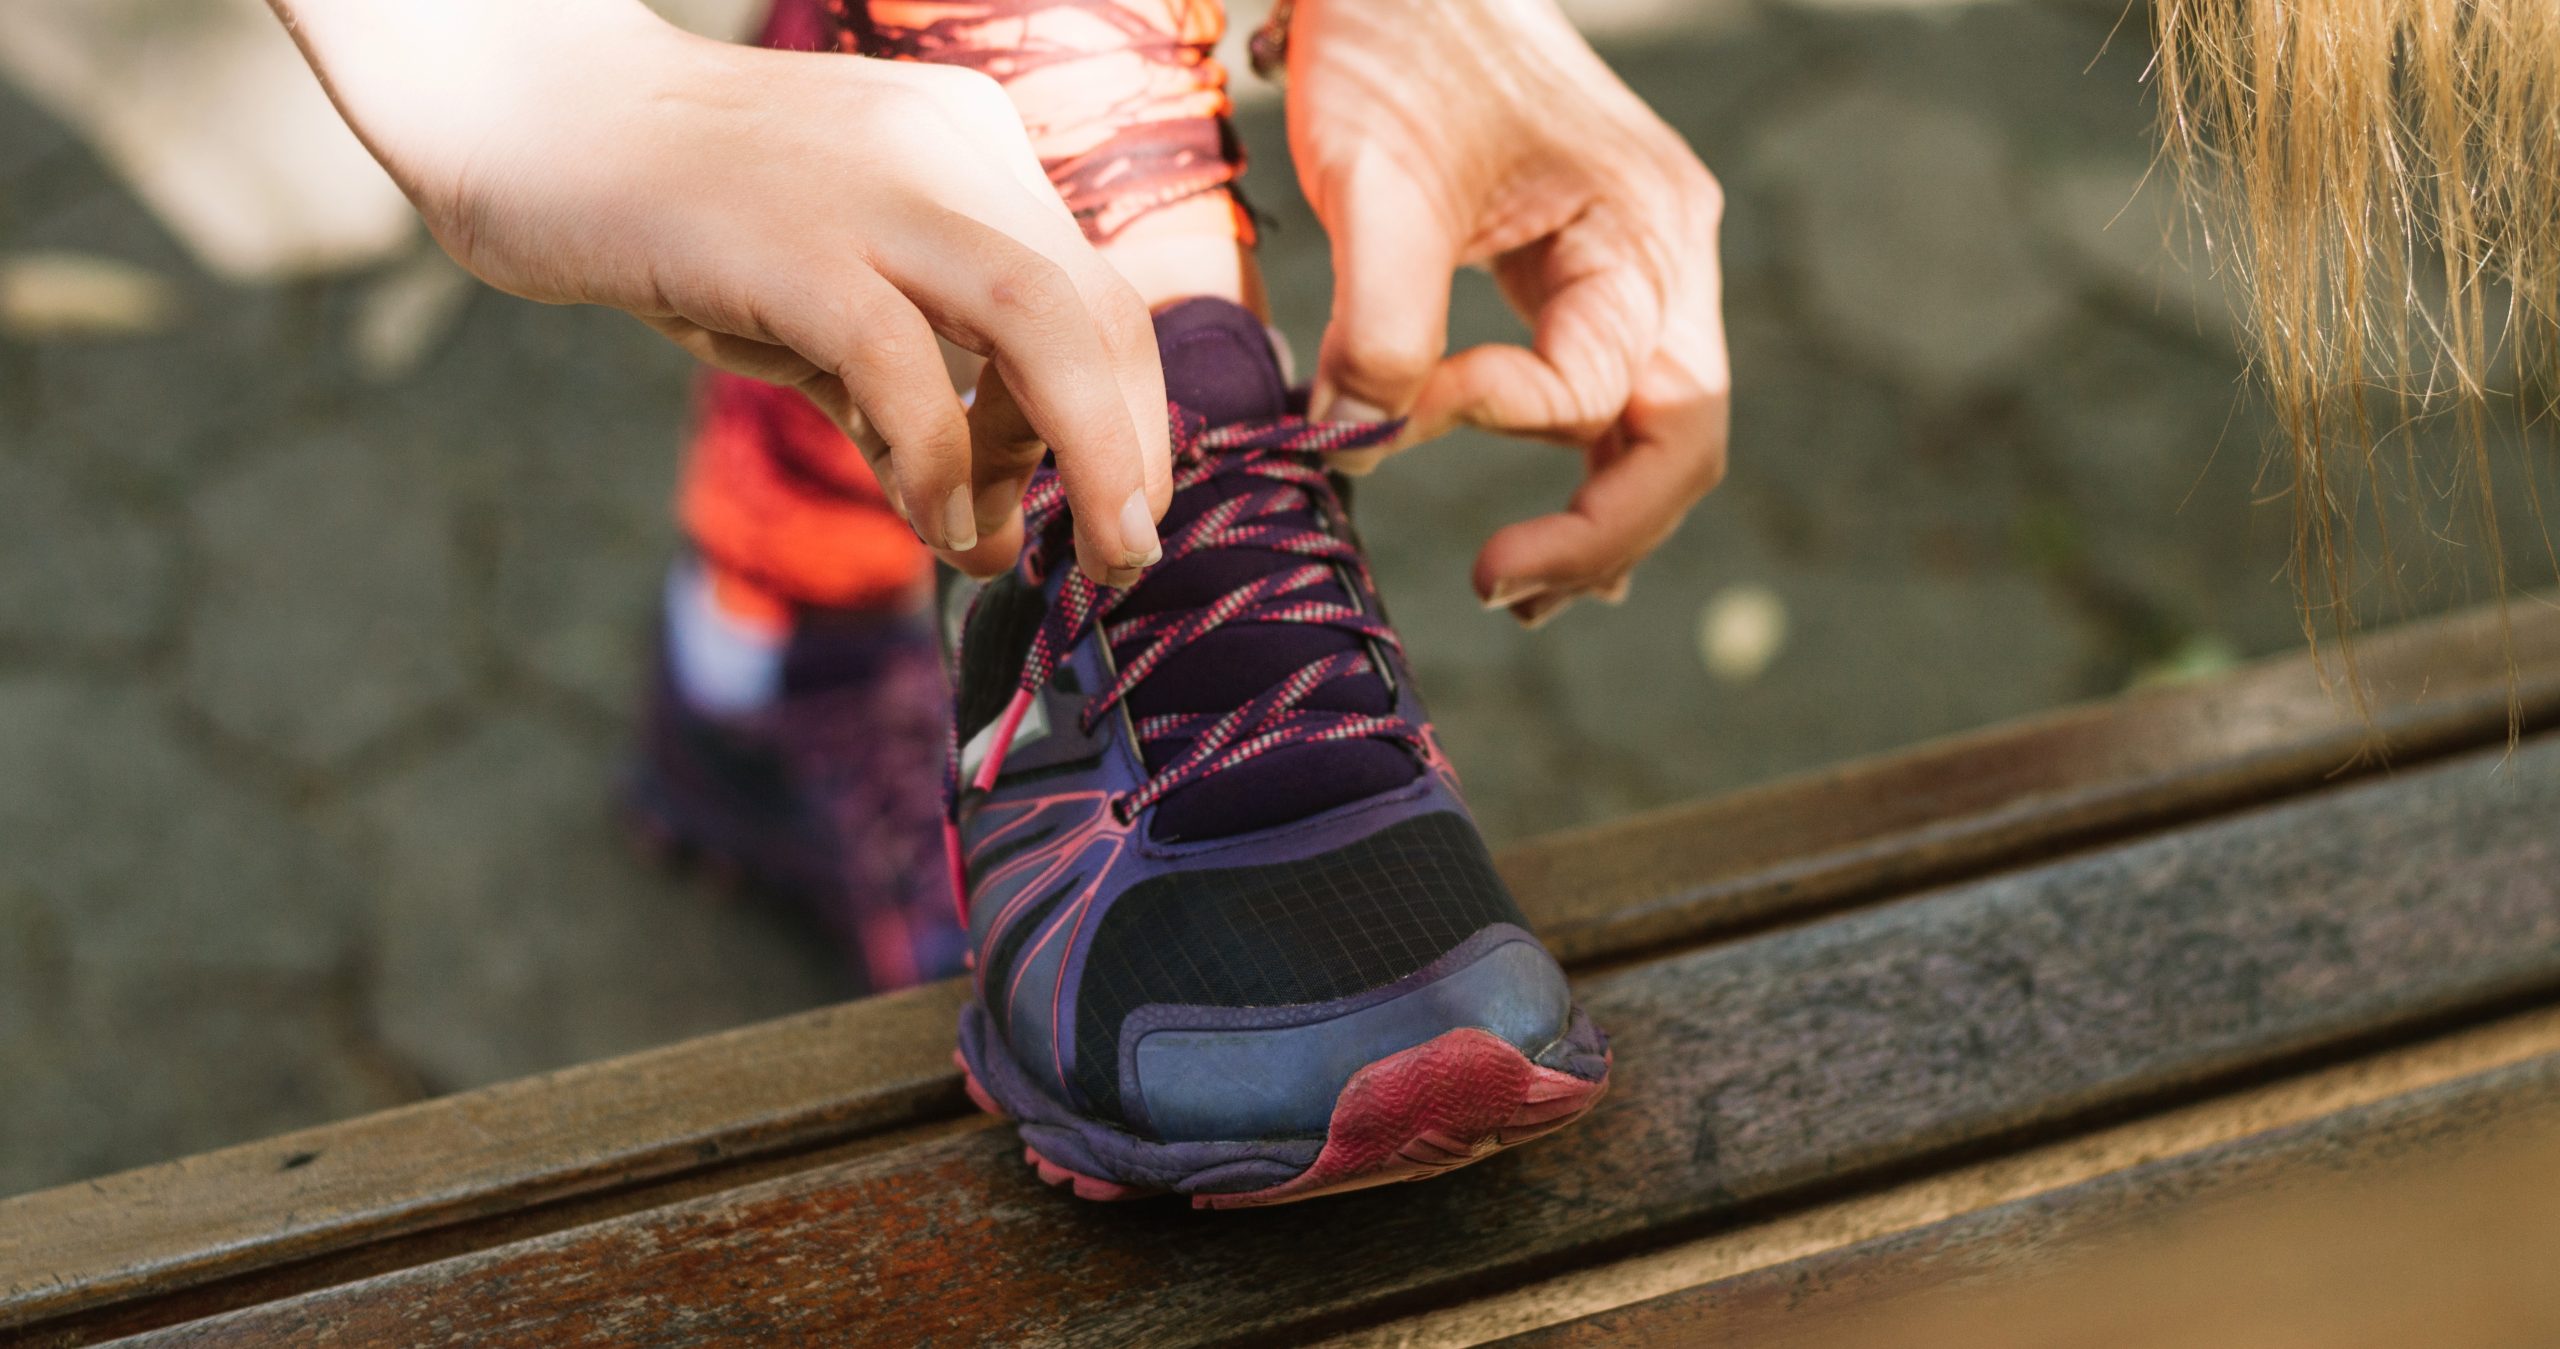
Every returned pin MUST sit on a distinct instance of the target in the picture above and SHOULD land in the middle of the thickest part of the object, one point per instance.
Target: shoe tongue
(1221, 363)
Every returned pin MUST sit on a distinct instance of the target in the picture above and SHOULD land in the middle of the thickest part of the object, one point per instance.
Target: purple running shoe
(829, 798)
(1233, 931)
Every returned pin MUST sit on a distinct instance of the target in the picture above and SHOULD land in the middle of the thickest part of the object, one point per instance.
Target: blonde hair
(2382, 179)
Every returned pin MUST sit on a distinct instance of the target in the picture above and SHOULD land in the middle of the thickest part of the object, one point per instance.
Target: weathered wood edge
(1776, 1072)
(1866, 1217)
(1930, 814)
(2023, 1238)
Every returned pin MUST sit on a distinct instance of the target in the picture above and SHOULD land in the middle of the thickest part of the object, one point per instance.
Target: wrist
(1479, 51)
(427, 86)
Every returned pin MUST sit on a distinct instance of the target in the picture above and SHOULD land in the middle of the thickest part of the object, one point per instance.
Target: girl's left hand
(1435, 134)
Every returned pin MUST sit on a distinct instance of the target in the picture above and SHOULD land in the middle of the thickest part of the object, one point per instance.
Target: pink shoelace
(1285, 455)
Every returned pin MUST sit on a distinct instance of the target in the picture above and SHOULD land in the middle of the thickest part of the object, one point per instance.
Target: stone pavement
(313, 683)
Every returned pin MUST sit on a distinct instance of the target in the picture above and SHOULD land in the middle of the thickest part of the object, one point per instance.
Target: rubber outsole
(1455, 1099)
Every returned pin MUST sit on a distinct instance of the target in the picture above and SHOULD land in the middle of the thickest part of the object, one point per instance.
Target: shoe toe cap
(1275, 1073)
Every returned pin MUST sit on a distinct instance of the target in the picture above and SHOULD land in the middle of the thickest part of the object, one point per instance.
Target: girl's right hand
(808, 219)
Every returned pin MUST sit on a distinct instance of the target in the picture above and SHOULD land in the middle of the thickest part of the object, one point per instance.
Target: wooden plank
(801, 1082)
(1998, 1249)
(1752, 1076)
(1872, 1215)
(821, 1079)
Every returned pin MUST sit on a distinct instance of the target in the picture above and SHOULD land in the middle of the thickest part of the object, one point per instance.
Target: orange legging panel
(777, 500)
(1127, 111)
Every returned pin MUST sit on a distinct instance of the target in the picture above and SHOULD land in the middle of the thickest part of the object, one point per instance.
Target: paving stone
(2157, 454)
(1910, 244)
(1884, 535)
(2061, 82)
(1960, 654)
(518, 932)
(240, 359)
(27, 139)
(1834, 466)
(128, 1074)
(330, 611)
(610, 448)
(75, 570)
(577, 597)
(148, 863)
(582, 482)
(567, 407)
(2121, 222)
(33, 965)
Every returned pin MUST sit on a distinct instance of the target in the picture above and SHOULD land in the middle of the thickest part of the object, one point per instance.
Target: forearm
(425, 84)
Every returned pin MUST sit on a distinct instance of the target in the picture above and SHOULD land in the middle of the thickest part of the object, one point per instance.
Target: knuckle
(866, 438)
(1705, 471)
(1594, 393)
(891, 413)
(867, 302)
(874, 353)
(1032, 290)
(1122, 318)
(1592, 390)
(1387, 364)
(935, 433)
(1706, 195)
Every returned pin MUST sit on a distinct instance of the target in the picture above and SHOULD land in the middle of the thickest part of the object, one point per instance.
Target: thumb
(1594, 330)
(1392, 264)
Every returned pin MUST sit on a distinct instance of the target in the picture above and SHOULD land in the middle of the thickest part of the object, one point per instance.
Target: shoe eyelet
(1120, 810)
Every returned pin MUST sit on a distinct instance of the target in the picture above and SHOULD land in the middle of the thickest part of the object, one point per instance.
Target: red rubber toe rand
(1456, 1098)
(1459, 1097)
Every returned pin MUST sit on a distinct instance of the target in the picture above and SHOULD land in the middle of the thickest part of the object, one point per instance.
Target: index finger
(1074, 345)
(1666, 452)
(1595, 328)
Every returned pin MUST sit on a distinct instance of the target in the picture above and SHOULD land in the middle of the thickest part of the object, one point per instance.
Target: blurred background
(326, 574)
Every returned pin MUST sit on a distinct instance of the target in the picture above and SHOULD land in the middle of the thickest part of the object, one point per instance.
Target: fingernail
(1357, 463)
(1346, 408)
(1121, 578)
(1508, 593)
(959, 521)
(898, 505)
(1138, 532)
(1613, 593)
(1538, 615)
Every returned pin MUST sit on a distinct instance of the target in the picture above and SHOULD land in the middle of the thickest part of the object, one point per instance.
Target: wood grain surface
(693, 1111)
(1752, 1075)
(1937, 1196)
(1995, 1250)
